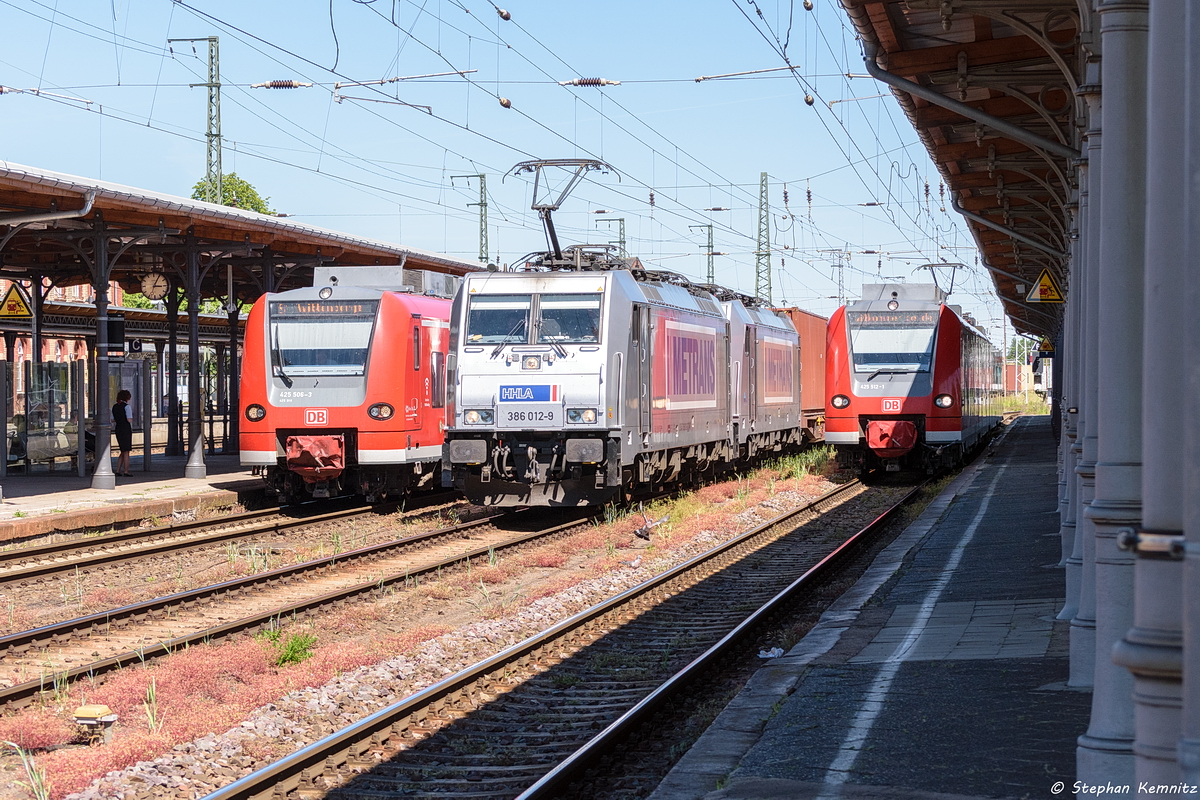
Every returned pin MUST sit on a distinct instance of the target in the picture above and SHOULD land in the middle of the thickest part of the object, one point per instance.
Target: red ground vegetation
(198, 691)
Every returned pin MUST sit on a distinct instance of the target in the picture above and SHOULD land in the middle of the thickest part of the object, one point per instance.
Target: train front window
(498, 319)
(569, 319)
(321, 337)
(892, 341)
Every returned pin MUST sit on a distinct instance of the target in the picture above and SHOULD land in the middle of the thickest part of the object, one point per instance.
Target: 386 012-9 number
(530, 416)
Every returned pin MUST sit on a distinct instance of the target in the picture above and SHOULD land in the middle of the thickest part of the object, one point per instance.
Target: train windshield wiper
(277, 358)
(501, 344)
(558, 348)
(880, 371)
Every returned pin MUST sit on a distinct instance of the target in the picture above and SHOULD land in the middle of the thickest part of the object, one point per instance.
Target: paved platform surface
(45, 502)
(941, 674)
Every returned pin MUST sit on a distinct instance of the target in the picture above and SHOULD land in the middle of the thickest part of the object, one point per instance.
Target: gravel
(196, 768)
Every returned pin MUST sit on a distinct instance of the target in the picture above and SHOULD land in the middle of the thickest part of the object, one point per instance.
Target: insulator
(785, 197)
(809, 193)
(808, 98)
(808, 5)
(652, 199)
(281, 85)
(504, 101)
(927, 188)
(504, 15)
(589, 82)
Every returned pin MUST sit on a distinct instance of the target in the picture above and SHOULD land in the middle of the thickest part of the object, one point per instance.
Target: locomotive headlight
(255, 412)
(581, 415)
(943, 401)
(380, 411)
(480, 416)
(840, 401)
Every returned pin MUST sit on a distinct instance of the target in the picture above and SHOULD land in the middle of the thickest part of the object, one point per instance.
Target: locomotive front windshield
(498, 318)
(569, 318)
(321, 337)
(555, 319)
(892, 341)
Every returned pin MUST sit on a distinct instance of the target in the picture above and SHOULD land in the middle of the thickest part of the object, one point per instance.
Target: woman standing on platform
(122, 416)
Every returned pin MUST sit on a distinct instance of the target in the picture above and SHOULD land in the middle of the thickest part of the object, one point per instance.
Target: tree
(1020, 348)
(235, 192)
(136, 300)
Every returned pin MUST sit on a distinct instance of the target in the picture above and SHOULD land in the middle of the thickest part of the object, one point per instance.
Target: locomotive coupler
(532, 474)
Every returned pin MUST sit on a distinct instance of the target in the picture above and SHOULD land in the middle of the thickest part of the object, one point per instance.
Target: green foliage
(210, 306)
(1020, 348)
(813, 461)
(1028, 403)
(295, 648)
(136, 300)
(38, 785)
(235, 192)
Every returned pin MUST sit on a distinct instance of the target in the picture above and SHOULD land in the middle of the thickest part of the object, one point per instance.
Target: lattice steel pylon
(212, 177)
(712, 274)
(762, 256)
(620, 243)
(483, 230)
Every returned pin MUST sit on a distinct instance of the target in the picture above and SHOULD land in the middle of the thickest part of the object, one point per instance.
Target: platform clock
(155, 285)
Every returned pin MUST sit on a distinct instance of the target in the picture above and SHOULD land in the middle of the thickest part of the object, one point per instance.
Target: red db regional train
(911, 383)
(343, 388)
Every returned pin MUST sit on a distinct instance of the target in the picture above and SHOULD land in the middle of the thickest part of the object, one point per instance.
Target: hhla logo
(535, 393)
(316, 416)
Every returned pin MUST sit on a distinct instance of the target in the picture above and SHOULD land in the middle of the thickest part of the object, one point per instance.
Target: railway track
(85, 555)
(49, 658)
(537, 716)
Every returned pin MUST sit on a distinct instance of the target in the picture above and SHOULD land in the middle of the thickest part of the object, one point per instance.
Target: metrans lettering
(693, 366)
(529, 394)
(778, 364)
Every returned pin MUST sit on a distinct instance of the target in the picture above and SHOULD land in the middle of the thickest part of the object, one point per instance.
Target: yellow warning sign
(14, 304)
(1046, 290)
(1046, 347)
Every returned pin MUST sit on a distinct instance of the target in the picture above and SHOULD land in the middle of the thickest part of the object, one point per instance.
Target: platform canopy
(992, 88)
(149, 232)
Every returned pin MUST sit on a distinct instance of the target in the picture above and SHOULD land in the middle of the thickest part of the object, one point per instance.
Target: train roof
(388, 278)
(416, 303)
(914, 292)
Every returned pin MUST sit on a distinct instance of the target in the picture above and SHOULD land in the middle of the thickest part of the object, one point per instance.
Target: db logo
(891, 404)
(316, 416)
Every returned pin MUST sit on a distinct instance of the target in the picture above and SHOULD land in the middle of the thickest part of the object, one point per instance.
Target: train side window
(416, 348)
(437, 368)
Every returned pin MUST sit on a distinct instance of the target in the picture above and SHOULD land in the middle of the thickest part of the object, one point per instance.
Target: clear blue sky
(384, 170)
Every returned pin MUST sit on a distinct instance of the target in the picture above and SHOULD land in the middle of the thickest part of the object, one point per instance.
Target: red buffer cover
(891, 438)
(316, 458)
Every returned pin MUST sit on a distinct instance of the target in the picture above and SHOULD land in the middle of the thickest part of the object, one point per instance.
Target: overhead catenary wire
(361, 171)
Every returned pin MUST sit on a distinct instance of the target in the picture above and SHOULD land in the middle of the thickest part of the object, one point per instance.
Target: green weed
(38, 786)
